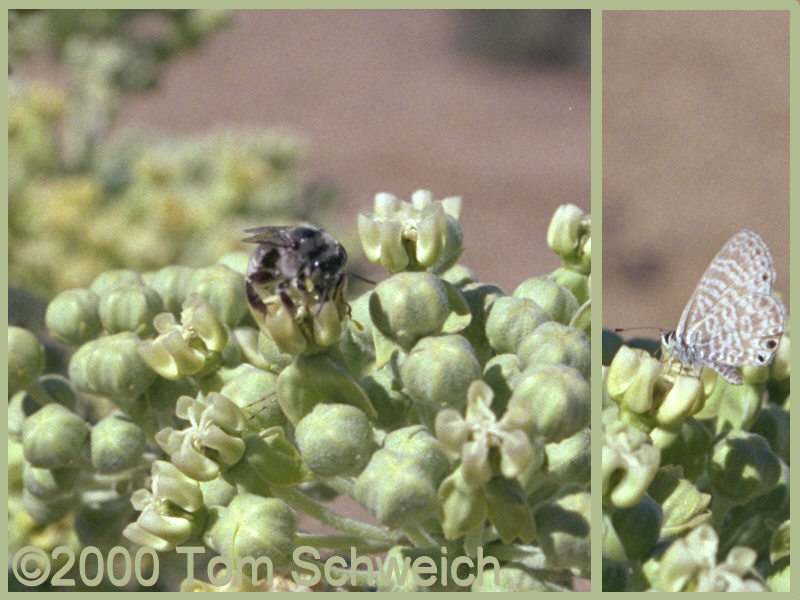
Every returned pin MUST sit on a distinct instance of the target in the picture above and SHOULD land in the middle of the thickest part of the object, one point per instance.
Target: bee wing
(273, 234)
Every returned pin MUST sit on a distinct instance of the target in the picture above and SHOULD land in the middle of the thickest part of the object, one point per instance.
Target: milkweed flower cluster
(695, 474)
(456, 414)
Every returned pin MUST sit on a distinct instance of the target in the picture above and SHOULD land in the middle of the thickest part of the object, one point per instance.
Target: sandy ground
(695, 147)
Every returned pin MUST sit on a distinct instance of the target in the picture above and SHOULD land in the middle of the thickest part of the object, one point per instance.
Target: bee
(300, 264)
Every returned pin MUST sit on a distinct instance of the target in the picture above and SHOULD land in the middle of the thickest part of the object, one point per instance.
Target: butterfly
(732, 319)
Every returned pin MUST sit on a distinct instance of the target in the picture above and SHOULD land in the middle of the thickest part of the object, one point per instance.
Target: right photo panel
(695, 458)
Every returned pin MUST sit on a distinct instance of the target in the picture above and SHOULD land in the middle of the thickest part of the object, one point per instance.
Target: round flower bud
(438, 371)
(111, 366)
(567, 461)
(569, 236)
(223, 289)
(335, 439)
(252, 527)
(743, 466)
(20, 407)
(116, 444)
(557, 300)
(172, 285)
(130, 308)
(563, 527)
(400, 483)
(511, 319)
(25, 358)
(409, 306)
(49, 510)
(632, 378)
(255, 393)
(577, 283)
(106, 282)
(311, 380)
(556, 343)
(53, 437)
(460, 275)
(551, 400)
(268, 459)
(689, 448)
(48, 484)
(638, 527)
(72, 317)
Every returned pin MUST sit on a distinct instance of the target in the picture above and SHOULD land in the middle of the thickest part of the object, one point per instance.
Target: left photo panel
(299, 300)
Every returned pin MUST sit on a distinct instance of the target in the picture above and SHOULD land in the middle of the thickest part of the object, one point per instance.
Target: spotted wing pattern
(732, 319)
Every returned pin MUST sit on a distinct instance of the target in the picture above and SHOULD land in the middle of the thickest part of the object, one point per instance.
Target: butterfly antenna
(658, 329)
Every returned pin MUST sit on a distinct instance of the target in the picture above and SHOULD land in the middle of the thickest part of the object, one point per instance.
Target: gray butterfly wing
(740, 331)
(742, 266)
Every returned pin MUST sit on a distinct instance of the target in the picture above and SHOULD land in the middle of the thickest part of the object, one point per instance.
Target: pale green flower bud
(683, 506)
(25, 358)
(564, 531)
(735, 406)
(108, 281)
(20, 407)
(510, 319)
(462, 505)
(116, 444)
(218, 492)
(211, 442)
(413, 236)
(509, 510)
(400, 483)
(630, 461)
(638, 527)
(53, 437)
(223, 289)
(315, 379)
(577, 283)
(270, 355)
(409, 306)
(569, 236)
(556, 343)
(50, 510)
(742, 466)
(550, 400)
(438, 371)
(72, 317)
(632, 379)
(557, 300)
(255, 393)
(335, 439)
(49, 484)
(253, 527)
(130, 308)
(172, 284)
(110, 366)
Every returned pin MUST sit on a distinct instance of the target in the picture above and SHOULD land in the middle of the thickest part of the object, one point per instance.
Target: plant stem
(326, 516)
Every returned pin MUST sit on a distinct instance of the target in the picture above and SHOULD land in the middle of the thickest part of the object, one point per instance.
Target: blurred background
(144, 138)
(695, 147)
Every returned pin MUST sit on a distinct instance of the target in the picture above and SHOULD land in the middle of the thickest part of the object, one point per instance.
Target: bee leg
(286, 299)
(254, 299)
